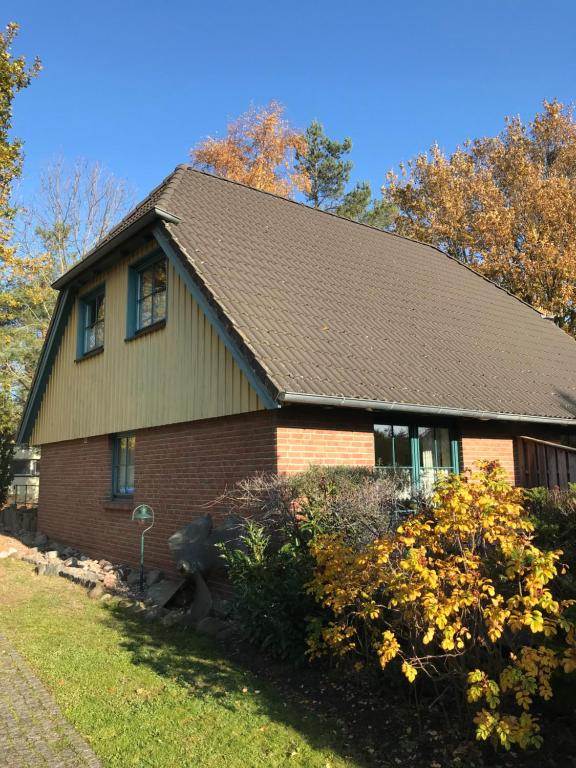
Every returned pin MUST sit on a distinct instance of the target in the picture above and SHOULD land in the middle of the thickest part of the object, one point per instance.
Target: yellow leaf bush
(461, 594)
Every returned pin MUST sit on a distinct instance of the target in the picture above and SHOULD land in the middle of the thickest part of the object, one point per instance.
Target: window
(435, 455)
(416, 455)
(91, 323)
(151, 301)
(394, 453)
(123, 465)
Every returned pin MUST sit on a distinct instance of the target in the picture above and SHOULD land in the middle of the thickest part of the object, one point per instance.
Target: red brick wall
(179, 470)
(323, 438)
(479, 443)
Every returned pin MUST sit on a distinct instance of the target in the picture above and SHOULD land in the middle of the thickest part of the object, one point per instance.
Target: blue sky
(135, 83)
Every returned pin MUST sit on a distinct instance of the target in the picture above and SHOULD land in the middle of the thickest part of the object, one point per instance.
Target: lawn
(154, 697)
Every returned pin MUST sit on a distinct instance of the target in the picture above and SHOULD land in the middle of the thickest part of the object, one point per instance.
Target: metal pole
(142, 561)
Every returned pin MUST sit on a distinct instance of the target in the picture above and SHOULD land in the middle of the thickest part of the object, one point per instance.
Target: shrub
(270, 590)
(554, 515)
(460, 594)
(283, 515)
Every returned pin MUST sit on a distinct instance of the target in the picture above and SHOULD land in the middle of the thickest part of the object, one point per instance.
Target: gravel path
(33, 732)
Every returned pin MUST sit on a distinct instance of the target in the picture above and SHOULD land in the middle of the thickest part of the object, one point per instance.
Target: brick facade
(487, 442)
(180, 470)
(326, 439)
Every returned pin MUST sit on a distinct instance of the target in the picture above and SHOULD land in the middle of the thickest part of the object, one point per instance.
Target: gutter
(97, 253)
(296, 398)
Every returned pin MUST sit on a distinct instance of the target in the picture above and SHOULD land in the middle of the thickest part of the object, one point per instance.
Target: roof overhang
(300, 398)
(100, 252)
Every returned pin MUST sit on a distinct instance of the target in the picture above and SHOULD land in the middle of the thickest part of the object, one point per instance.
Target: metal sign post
(143, 514)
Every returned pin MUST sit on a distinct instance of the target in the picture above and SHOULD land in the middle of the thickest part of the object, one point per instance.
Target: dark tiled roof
(334, 308)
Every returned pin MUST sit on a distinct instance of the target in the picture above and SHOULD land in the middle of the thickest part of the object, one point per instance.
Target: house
(219, 331)
(25, 467)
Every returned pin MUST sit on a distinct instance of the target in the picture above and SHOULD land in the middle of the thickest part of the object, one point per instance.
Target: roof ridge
(167, 182)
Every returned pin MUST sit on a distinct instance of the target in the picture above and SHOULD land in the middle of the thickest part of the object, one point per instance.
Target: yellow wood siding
(179, 373)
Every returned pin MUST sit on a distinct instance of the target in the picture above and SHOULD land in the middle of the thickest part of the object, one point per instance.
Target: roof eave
(101, 251)
(301, 398)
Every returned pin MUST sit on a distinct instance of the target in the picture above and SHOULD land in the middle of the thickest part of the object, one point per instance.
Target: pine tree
(323, 163)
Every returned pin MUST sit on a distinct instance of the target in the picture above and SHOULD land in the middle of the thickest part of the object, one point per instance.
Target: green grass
(149, 696)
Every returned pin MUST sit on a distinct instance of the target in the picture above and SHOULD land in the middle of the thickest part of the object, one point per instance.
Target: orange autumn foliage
(505, 205)
(258, 150)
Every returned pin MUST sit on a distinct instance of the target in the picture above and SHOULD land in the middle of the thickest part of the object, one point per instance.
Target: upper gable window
(151, 301)
(91, 322)
(147, 288)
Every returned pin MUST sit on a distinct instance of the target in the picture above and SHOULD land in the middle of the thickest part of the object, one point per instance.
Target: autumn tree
(323, 163)
(75, 207)
(15, 75)
(258, 150)
(504, 205)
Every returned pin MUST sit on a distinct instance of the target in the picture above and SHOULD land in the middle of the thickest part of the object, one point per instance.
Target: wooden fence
(541, 463)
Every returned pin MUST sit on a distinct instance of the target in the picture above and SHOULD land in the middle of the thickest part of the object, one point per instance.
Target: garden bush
(553, 513)
(458, 596)
(282, 517)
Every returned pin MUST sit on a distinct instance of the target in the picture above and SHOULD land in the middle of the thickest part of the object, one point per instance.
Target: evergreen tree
(323, 163)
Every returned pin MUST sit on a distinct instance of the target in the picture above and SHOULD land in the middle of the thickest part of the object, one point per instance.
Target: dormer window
(151, 301)
(91, 323)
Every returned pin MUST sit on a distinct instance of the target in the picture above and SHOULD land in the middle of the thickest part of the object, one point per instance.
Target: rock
(72, 562)
(106, 596)
(105, 565)
(172, 618)
(221, 608)
(153, 577)
(133, 578)
(52, 569)
(202, 603)
(6, 553)
(211, 626)
(67, 552)
(90, 577)
(40, 570)
(154, 613)
(110, 580)
(27, 539)
(96, 592)
(162, 592)
(52, 554)
(40, 540)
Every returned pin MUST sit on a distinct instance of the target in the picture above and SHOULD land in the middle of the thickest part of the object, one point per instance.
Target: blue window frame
(147, 291)
(416, 455)
(123, 455)
(91, 311)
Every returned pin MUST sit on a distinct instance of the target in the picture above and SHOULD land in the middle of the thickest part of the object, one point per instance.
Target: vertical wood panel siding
(179, 373)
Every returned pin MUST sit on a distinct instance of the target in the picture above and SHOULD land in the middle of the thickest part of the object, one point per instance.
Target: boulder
(196, 548)
(221, 608)
(52, 554)
(153, 577)
(154, 613)
(133, 578)
(211, 626)
(162, 592)
(6, 553)
(40, 540)
(96, 592)
(202, 602)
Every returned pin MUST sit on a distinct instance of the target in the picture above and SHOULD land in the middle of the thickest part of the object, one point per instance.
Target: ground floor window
(123, 465)
(416, 455)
